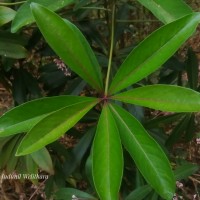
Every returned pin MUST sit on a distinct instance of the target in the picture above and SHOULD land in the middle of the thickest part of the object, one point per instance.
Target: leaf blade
(139, 193)
(185, 170)
(69, 50)
(24, 16)
(147, 154)
(53, 126)
(143, 60)
(67, 193)
(11, 50)
(25, 116)
(163, 97)
(6, 15)
(107, 159)
(43, 159)
(167, 12)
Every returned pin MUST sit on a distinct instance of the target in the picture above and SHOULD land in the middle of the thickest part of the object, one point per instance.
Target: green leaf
(53, 126)
(12, 38)
(43, 159)
(107, 158)
(190, 131)
(88, 171)
(150, 54)
(192, 68)
(178, 131)
(12, 50)
(162, 121)
(6, 15)
(167, 11)
(163, 97)
(25, 116)
(67, 193)
(140, 193)
(12, 161)
(147, 154)
(25, 17)
(6, 152)
(185, 170)
(3, 141)
(79, 151)
(31, 167)
(69, 43)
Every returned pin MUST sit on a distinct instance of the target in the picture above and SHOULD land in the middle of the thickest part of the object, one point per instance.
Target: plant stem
(111, 50)
(12, 4)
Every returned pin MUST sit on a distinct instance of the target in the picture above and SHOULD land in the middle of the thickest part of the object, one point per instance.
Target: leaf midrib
(44, 115)
(108, 149)
(140, 147)
(60, 125)
(146, 60)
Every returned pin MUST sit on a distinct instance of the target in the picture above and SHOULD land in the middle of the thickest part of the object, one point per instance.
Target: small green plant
(46, 119)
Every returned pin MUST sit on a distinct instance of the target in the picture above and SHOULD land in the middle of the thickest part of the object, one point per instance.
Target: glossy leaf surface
(69, 43)
(167, 11)
(53, 126)
(6, 15)
(25, 17)
(24, 117)
(107, 160)
(43, 159)
(150, 54)
(163, 97)
(147, 154)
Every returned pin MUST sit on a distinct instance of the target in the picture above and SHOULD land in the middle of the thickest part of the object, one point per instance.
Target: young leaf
(53, 126)
(69, 43)
(163, 97)
(107, 158)
(150, 54)
(25, 116)
(43, 159)
(6, 15)
(167, 12)
(147, 154)
(25, 17)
